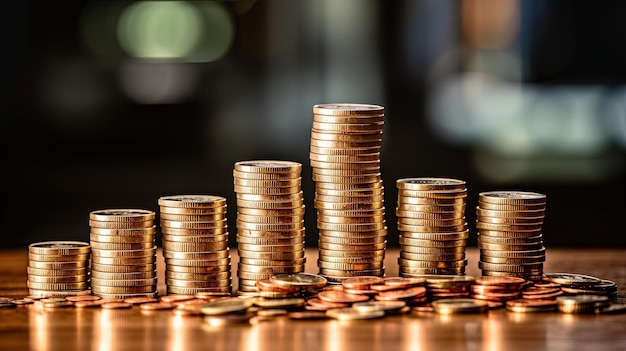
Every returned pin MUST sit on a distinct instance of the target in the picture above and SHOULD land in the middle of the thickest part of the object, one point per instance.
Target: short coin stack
(432, 226)
(270, 220)
(58, 268)
(195, 244)
(123, 249)
(349, 193)
(510, 237)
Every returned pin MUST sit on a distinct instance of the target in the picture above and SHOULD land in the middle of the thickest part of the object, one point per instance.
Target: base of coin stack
(123, 253)
(270, 220)
(432, 228)
(58, 268)
(510, 238)
(195, 244)
(349, 195)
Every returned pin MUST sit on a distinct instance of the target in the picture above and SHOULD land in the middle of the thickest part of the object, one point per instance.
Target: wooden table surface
(28, 328)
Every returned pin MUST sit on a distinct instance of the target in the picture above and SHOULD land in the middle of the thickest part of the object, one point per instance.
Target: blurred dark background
(114, 104)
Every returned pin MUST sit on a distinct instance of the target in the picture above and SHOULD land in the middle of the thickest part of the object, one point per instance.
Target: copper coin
(401, 294)
(83, 298)
(341, 296)
(116, 305)
(84, 304)
(302, 315)
(176, 298)
(152, 306)
(362, 282)
(321, 305)
(140, 300)
(500, 281)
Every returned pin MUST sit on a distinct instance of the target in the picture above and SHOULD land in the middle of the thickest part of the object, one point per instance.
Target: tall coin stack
(195, 244)
(270, 220)
(58, 268)
(432, 226)
(510, 236)
(123, 262)
(349, 195)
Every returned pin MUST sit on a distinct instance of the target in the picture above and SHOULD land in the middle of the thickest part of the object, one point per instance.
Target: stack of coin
(445, 286)
(349, 193)
(510, 237)
(123, 250)
(58, 268)
(195, 244)
(270, 220)
(432, 226)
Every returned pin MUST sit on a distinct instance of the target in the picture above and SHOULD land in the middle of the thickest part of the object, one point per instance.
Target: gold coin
(122, 246)
(227, 305)
(126, 290)
(433, 257)
(348, 119)
(193, 217)
(352, 241)
(506, 207)
(258, 183)
(417, 272)
(122, 215)
(194, 246)
(350, 199)
(59, 248)
(192, 201)
(430, 216)
(581, 303)
(431, 201)
(124, 253)
(510, 220)
(418, 251)
(207, 232)
(442, 194)
(193, 225)
(297, 240)
(344, 227)
(511, 197)
(109, 268)
(348, 109)
(270, 227)
(414, 239)
(269, 197)
(266, 219)
(115, 305)
(356, 192)
(242, 267)
(508, 227)
(431, 228)
(349, 313)
(360, 179)
(354, 235)
(341, 247)
(438, 223)
(365, 136)
(358, 172)
(270, 205)
(452, 306)
(346, 253)
(182, 283)
(265, 176)
(271, 248)
(430, 183)
(264, 212)
(57, 272)
(353, 165)
(123, 296)
(57, 258)
(329, 219)
(510, 214)
(257, 262)
(345, 186)
(57, 286)
(199, 256)
(509, 241)
(403, 262)
(196, 239)
(513, 254)
(421, 244)
(123, 260)
(219, 266)
(347, 144)
(224, 291)
(513, 261)
(344, 151)
(193, 210)
(509, 247)
(344, 158)
(254, 234)
(335, 127)
(336, 273)
(152, 274)
(151, 230)
(58, 279)
(252, 276)
(268, 255)
(459, 208)
(512, 268)
(267, 190)
(268, 166)
(377, 213)
(123, 283)
(352, 260)
(120, 224)
(350, 266)
(121, 239)
(510, 234)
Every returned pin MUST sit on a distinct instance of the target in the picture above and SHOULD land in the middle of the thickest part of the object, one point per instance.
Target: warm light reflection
(179, 336)
(334, 337)
(104, 336)
(39, 325)
(413, 337)
(492, 334)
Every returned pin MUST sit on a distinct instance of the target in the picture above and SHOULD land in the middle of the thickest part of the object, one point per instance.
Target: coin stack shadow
(510, 236)
(432, 227)
(58, 268)
(123, 262)
(349, 195)
(195, 244)
(270, 220)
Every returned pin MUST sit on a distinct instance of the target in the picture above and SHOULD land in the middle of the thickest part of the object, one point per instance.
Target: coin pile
(58, 268)
(580, 284)
(432, 226)
(270, 220)
(123, 250)
(510, 237)
(195, 244)
(349, 193)
(498, 289)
